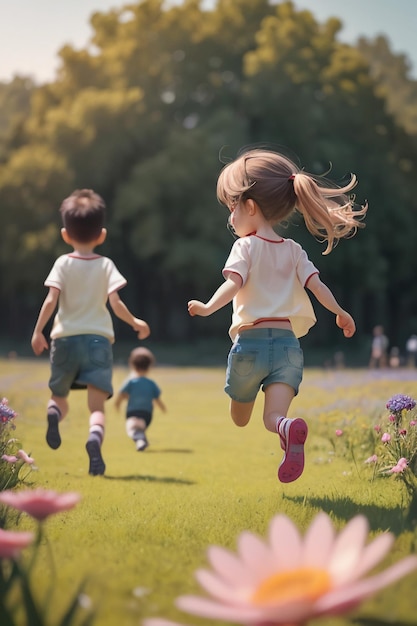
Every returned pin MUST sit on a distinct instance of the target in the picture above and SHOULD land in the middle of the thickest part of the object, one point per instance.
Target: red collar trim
(268, 240)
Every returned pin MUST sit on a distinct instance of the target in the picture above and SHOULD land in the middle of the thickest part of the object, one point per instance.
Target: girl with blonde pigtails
(266, 277)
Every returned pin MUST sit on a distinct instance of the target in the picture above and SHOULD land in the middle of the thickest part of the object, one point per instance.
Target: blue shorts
(260, 357)
(79, 361)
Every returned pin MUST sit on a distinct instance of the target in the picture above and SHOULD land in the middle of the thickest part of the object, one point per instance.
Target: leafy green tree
(148, 113)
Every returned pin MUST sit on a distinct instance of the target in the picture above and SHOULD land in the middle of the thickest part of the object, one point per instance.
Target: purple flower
(399, 402)
(6, 413)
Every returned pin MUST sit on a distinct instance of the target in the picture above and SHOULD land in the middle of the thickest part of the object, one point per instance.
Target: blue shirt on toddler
(141, 391)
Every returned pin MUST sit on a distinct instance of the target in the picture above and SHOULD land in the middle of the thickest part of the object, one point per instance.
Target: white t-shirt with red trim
(85, 284)
(274, 276)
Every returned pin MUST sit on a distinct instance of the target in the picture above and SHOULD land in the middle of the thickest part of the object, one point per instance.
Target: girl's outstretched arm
(323, 294)
(224, 294)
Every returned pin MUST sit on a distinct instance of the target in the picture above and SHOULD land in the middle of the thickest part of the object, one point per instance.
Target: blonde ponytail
(328, 212)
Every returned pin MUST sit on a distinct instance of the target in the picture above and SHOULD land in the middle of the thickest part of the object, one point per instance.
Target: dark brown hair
(83, 215)
(141, 359)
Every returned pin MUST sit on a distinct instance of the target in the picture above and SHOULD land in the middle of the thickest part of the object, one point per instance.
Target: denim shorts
(260, 357)
(79, 361)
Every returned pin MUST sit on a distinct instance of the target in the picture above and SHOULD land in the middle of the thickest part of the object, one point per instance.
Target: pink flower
(11, 543)
(10, 458)
(372, 459)
(377, 428)
(40, 503)
(402, 432)
(289, 579)
(386, 438)
(25, 457)
(392, 418)
(413, 422)
(338, 432)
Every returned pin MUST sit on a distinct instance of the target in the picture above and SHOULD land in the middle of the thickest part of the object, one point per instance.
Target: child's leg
(96, 399)
(57, 410)
(292, 432)
(278, 397)
(241, 412)
(135, 429)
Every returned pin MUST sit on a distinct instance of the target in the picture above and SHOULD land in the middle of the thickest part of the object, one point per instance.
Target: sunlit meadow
(139, 533)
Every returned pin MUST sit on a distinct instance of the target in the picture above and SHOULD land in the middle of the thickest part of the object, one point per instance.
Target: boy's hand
(39, 343)
(346, 323)
(195, 307)
(142, 328)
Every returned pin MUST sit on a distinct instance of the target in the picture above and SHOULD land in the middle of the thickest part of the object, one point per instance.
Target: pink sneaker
(292, 436)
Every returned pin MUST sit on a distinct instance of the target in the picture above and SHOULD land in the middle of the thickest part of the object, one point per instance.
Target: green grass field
(141, 530)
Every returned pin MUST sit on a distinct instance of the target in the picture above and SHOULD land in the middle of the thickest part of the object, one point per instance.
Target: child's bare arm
(122, 312)
(39, 342)
(224, 294)
(323, 294)
(160, 404)
(119, 399)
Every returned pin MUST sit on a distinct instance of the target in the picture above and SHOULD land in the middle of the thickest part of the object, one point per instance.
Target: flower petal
(214, 610)
(217, 587)
(348, 549)
(290, 613)
(12, 542)
(256, 555)
(318, 541)
(228, 566)
(285, 541)
(373, 554)
(362, 589)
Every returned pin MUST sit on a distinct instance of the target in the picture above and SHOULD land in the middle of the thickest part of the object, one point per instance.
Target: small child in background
(141, 394)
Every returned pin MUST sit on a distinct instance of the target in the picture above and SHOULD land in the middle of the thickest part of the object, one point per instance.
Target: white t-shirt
(274, 275)
(85, 284)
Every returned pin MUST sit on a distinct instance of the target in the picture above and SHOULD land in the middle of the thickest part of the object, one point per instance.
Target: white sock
(279, 420)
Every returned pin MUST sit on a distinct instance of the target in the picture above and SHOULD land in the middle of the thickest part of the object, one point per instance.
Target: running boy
(80, 284)
(141, 394)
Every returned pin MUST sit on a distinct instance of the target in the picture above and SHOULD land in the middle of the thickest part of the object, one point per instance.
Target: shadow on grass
(169, 450)
(152, 479)
(379, 518)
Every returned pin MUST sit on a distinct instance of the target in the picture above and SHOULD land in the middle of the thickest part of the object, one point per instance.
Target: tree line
(148, 113)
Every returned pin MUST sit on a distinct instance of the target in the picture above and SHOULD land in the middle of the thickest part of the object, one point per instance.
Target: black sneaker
(97, 465)
(53, 437)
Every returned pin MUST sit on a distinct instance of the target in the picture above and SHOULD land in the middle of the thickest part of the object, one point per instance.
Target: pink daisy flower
(11, 543)
(39, 503)
(289, 579)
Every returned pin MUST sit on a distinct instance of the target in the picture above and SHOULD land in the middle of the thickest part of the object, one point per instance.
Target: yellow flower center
(303, 584)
